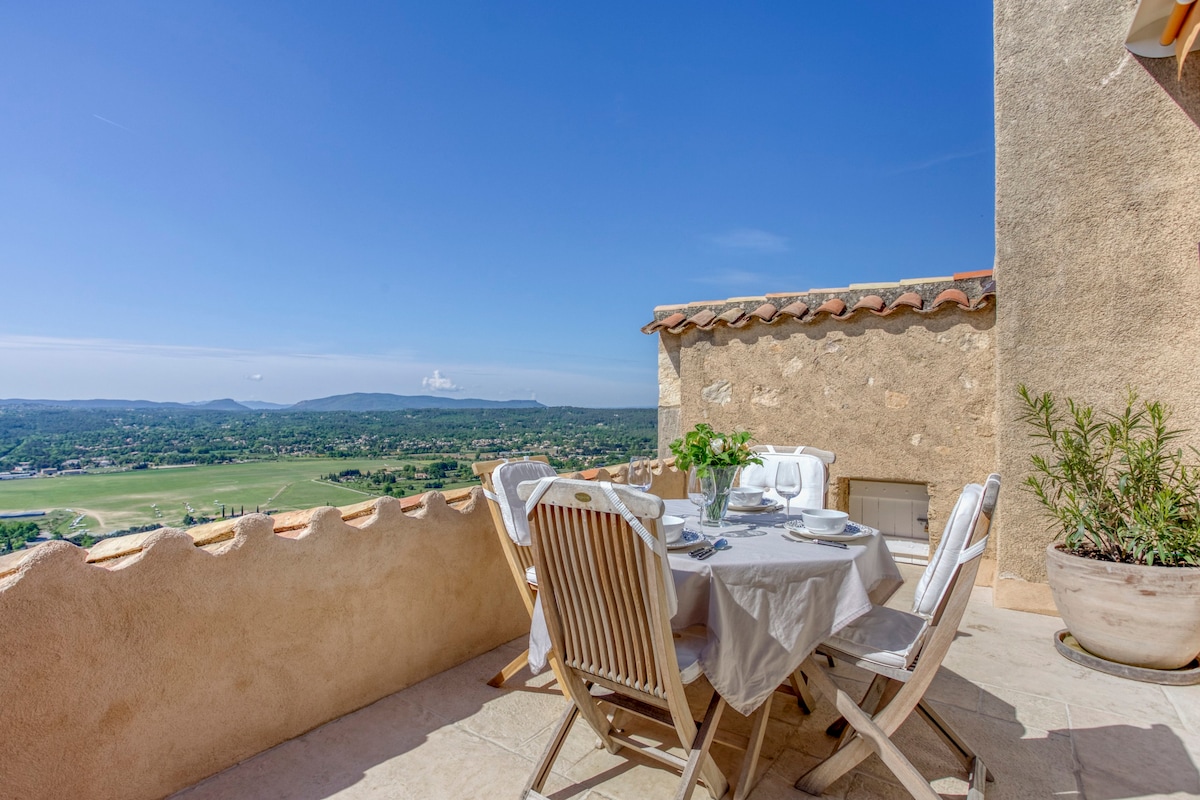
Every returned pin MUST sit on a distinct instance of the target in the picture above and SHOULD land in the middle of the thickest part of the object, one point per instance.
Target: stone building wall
(1097, 224)
(899, 386)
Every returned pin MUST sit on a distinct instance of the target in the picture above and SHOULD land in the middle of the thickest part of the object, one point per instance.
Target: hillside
(377, 401)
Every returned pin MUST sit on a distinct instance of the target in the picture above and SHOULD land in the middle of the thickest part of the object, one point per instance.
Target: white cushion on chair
(812, 478)
(883, 636)
(688, 645)
(955, 538)
(505, 479)
(531, 576)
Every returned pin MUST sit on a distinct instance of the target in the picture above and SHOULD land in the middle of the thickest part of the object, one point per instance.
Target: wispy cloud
(255, 377)
(752, 240)
(114, 124)
(942, 159)
(440, 383)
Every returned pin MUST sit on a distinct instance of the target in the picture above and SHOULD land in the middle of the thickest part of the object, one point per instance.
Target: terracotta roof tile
(909, 299)
(871, 302)
(969, 291)
(766, 312)
(951, 296)
(665, 322)
(979, 273)
(834, 307)
(730, 317)
(797, 309)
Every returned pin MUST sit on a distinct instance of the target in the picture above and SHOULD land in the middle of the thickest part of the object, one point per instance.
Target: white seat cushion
(531, 576)
(689, 643)
(505, 480)
(812, 478)
(882, 636)
(955, 538)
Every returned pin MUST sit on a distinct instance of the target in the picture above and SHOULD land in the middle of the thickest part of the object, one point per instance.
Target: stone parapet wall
(139, 678)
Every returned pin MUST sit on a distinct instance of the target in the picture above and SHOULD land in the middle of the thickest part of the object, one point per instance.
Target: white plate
(689, 540)
(853, 531)
(765, 505)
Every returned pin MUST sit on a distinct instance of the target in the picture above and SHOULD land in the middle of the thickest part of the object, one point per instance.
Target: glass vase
(720, 481)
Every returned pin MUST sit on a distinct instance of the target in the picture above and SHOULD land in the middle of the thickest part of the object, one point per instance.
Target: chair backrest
(961, 532)
(603, 588)
(814, 475)
(826, 456)
(520, 559)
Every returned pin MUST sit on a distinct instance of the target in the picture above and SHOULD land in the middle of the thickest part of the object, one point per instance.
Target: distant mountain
(220, 405)
(92, 403)
(359, 401)
(362, 401)
(263, 405)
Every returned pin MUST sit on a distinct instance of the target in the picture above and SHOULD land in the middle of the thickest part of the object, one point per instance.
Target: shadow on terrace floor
(1046, 727)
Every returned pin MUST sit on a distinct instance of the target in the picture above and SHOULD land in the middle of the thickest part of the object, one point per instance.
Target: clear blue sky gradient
(277, 201)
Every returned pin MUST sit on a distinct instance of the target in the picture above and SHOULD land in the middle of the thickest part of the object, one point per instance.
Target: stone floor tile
(1031, 710)
(1186, 702)
(1122, 758)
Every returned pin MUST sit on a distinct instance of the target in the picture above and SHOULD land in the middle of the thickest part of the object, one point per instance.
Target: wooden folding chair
(520, 559)
(604, 591)
(905, 650)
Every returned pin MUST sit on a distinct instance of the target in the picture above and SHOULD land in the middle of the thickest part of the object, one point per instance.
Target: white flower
(718, 445)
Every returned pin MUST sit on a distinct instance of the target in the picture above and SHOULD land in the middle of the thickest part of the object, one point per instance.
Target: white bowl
(744, 496)
(824, 520)
(672, 528)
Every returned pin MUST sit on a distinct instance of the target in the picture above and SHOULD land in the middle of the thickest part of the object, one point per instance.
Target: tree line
(574, 438)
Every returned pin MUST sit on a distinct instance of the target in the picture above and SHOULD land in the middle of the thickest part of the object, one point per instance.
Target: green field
(121, 500)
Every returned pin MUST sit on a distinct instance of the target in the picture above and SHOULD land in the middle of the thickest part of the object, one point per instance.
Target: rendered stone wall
(903, 397)
(142, 679)
(1097, 225)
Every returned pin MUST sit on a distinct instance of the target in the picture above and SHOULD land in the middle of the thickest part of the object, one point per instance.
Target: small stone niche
(896, 508)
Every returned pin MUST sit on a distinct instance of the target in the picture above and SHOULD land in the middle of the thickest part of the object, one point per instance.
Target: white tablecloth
(767, 603)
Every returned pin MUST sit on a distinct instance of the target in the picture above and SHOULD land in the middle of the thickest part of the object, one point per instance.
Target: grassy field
(122, 500)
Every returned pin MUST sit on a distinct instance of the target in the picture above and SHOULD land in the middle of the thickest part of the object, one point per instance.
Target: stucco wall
(136, 681)
(902, 397)
(1097, 224)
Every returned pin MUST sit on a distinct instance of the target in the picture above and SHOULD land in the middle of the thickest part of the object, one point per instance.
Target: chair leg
(871, 737)
(758, 732)
(542, 771)
(968, 757)
(514, 666)
(700, 763)
(869, 703)
(804, 696)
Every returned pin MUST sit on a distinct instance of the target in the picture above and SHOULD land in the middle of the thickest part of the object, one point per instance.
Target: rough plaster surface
(1097, 225)
(145, 678)
(903, 397)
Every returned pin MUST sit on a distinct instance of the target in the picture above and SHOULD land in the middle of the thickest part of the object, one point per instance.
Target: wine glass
(695, 490)
(788, 483)
(640, 474)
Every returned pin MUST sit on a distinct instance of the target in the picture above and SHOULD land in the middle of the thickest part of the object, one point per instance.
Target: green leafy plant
(1114, 484)
(704, 448)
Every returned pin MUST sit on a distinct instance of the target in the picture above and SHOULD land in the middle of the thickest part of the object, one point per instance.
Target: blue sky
(278, 201)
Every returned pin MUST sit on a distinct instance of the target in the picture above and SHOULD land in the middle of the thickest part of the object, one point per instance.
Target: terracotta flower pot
(1128, 613)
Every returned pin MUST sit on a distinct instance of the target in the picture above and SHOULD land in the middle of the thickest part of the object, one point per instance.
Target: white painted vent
(897, 509)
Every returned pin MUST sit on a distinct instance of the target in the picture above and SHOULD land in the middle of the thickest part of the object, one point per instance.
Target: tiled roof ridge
(969, 291)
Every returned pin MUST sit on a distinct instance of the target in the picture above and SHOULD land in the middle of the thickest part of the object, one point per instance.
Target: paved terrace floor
(1046, 727)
